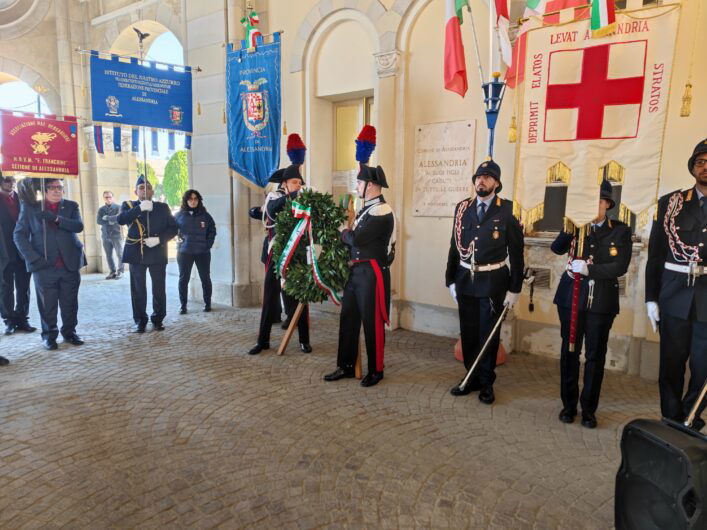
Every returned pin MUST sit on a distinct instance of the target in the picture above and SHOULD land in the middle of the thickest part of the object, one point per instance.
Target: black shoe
(589, 420)
(207, 308)
(111, 276)
(139, 328)
(487, 396)
(372, 379)
(50, 344)
(73, 339)
(567, 415)
(339, 373)
(24, 326)
(183, 310)
(158, 326)
(9, 329)
(286, 324)
(255, 350)
(698, 424)
(305, 347)
(471, 386)
(3, 361)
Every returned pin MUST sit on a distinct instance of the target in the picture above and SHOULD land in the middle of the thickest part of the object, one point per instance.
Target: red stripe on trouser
(381, 311)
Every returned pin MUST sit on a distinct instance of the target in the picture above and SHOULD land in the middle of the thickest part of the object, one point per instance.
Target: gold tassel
(198, 108)
(686, 101)
(284, 128)
(517, 211)
(85, 155)
(605, 31)
(83, 90)
(513, 131)
(224, 115)
(568, 226)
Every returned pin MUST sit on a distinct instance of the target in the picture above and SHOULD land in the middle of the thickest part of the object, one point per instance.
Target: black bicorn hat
(276, 177)
(492, 169)
(699, 149)
(605, 193)
(374, 175)
(292, 172)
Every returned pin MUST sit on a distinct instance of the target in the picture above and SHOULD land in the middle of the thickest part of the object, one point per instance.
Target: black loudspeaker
(662, 482)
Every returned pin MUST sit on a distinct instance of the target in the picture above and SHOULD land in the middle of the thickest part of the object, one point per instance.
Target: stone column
(225, 197)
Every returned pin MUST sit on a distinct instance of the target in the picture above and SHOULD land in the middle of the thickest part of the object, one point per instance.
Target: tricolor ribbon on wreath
(304, 225)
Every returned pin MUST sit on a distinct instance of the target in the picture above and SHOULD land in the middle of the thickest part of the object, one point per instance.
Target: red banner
(39, 147)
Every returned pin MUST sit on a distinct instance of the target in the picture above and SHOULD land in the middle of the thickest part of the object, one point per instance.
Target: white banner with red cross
(587, 102)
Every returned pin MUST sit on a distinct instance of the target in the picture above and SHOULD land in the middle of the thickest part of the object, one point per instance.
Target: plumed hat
(296, 149)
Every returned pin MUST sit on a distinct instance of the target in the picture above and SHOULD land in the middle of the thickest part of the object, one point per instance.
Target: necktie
(482, 210)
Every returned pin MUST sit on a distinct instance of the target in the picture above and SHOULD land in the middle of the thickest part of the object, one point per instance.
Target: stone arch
(158, 18)
(384, 22)
(24, 72)
(21, 17)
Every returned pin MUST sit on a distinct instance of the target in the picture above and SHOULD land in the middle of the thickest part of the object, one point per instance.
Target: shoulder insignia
(610, 224)
(381, 209)
(688, 197)
(498, 201)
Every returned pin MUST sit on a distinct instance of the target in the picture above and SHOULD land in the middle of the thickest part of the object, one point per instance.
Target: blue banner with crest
(147, 95)
(254, 110)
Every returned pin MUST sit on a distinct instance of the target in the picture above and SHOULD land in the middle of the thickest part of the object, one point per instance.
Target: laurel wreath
(334, 256)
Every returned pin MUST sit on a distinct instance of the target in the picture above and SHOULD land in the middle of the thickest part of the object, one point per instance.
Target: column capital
(387, 63)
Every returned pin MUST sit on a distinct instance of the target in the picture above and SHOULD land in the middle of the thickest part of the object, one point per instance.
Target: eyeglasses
(56, 187)
(701, 162)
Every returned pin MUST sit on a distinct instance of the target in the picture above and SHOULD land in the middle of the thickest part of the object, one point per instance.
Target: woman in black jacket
(197, 232)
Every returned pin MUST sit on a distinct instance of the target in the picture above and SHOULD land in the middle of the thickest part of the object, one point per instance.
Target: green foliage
(151, 176)
(334, 257)
(176, 178)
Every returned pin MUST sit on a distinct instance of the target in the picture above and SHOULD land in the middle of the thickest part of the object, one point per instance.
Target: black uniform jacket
(498, 236)
(372, 231)
(7, 227)
(671, 288)
(609, 248)
(161, 225)
(61, 242)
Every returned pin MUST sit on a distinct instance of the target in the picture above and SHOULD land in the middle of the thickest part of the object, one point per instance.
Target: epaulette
(381, 209)
(688, 194)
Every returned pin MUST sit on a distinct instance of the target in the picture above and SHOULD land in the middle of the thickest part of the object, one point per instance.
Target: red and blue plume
(365, 144)
(296, 149)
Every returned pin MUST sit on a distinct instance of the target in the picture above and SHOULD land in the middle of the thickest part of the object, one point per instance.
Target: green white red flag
(603, 18)
(454, 60)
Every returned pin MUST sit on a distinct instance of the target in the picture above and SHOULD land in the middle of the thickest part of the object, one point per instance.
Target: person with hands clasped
(150, 227)
(606, 257)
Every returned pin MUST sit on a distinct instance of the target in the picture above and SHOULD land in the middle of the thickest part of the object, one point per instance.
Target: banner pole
(141, 36)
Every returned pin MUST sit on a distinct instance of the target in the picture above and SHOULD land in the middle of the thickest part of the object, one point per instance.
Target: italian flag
(454, 61)
(603, 18)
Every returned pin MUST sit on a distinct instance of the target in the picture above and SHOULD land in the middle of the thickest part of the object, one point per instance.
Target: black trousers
(138, 292)
(14, 293)
(57, 289)
(203, 266)
(592, 331)
(681, 340)
(477, 317)
(359, 306)
(272, 308)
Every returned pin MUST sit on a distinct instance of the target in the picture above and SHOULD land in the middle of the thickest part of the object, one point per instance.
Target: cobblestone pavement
(183, 429)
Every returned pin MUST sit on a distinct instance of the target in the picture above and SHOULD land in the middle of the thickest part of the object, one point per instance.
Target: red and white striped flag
(454, 60)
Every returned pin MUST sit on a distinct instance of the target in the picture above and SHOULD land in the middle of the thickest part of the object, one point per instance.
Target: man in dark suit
(484, 235)
(676, 291)
(46, 237)
(606, 255)
(3, 262)
(150, 228)
(14, 278)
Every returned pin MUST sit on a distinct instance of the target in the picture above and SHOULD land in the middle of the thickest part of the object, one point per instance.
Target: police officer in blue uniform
(46, 236)
(606, 256)
(150, 228)
(676, 291)
(485, 234)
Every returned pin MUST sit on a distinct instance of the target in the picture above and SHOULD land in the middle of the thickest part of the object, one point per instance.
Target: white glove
(653, 314)
(152, 241)
(580, 266)
(146, 206)
(104, 218)
(511, 299)
(453, 291)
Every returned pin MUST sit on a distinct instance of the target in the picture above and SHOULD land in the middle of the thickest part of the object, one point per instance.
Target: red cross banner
(39, 146)
(587, 102)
